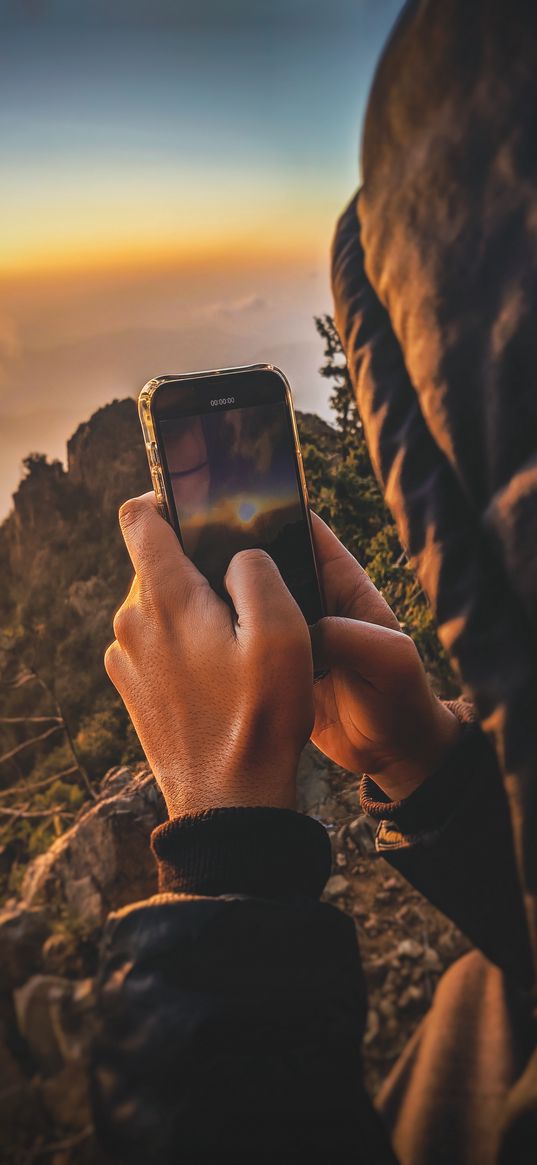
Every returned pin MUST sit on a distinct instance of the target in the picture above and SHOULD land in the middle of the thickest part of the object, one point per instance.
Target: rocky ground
(49, 940)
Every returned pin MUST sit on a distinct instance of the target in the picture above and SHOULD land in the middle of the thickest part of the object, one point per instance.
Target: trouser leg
(443, 1100)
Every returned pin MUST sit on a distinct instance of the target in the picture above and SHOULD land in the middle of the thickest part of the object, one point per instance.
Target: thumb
(365, 648)
(259, 594)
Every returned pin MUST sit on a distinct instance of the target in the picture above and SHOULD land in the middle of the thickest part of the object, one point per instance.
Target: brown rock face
(47, 998)
(23, 930)
(104, 861)
(106, 455)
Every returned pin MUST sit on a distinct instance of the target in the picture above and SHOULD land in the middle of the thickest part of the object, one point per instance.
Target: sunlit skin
(375, 711)
(223, 702)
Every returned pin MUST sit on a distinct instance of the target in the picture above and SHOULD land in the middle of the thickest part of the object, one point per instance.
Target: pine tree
(335, 369)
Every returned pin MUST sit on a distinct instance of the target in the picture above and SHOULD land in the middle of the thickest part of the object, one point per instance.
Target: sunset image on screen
(235, 487)
(234, 484)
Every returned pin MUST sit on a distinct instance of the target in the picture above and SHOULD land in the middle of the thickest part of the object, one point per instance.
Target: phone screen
(233, 476)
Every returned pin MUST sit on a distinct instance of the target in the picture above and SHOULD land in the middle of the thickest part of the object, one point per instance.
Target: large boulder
(104, 861)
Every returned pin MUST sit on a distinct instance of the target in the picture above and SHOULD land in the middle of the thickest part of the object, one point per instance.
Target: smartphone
(226, 467)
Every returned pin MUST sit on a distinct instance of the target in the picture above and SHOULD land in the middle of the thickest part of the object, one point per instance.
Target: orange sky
(173, 174)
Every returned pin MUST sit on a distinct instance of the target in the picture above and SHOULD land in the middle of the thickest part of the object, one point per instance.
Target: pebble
(371, 926)
(336, 885)
(373, 1027)
(409, 949)
(430, 961)
(410, 997)
(375, 970)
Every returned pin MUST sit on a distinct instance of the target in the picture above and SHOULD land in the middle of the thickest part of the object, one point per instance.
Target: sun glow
(246, 512)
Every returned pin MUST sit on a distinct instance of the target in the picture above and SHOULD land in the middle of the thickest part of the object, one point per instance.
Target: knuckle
(159, 592)
(112, 660)
(125, 624)
(408, 655)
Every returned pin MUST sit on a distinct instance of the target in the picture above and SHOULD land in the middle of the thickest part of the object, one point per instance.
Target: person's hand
(222, 703)
(375, 711)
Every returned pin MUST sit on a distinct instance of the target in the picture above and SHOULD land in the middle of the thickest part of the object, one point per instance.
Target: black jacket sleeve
(230, 1023)
(452, 840)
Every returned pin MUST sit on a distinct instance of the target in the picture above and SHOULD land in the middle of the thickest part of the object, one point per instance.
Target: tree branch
(29, 719)
(57, 810)
(28, 743)
(17, 790)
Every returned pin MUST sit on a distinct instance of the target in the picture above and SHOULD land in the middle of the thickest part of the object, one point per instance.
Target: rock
(372, 1028)
(315, 784)
(22, 932)
(409, 949)
(391, 884)
(18, 1100)
(66, 1097)
(55, 1017)
(411, 916)
(60, 954)
(387, 1006)
(116, 779)
(411, 998)
(341, 861)
(324, 790)
(336, 886)
(362, 831)
(372, 923)
(431, 961)
(393, 979)
(104, 861)
(375, 970)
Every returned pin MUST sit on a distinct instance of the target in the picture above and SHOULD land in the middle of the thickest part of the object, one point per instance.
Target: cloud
(246, 305)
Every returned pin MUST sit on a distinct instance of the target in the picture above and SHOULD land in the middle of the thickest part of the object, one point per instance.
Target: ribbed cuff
(428, 808)
(263, 852)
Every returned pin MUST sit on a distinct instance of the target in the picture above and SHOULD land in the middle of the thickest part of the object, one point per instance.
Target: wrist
(402, 776)
(245, 787)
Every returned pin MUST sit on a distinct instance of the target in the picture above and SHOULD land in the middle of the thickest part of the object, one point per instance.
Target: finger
(347, 588)
(153, 546)
(376, 653)
(115, 664)
(259, 594)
